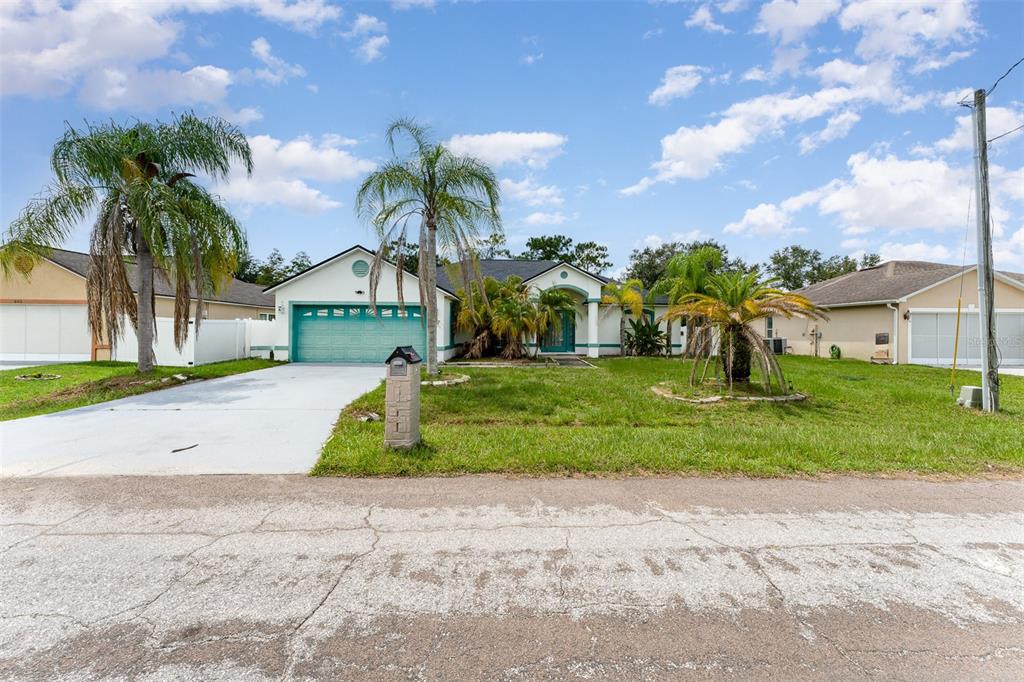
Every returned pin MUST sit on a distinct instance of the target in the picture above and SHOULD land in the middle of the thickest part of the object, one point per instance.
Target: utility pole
(986, 284)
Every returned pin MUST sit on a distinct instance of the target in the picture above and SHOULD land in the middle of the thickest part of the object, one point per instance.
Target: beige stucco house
(43, 315)
(905, 312)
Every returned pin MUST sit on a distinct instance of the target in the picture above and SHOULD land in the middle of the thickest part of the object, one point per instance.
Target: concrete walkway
(268, 421)
(285, 577)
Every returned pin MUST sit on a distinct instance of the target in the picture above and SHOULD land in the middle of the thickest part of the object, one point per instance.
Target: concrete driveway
(491, 578)
(271, 421)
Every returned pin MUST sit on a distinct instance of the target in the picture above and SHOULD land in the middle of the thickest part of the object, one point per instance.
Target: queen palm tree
(626, 297)
(549, 307)
(687, 273)
(732, 302)
(138, 180)
(450, 196)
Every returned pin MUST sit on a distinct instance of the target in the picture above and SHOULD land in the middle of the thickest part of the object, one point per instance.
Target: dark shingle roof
(500, 269)
(884, 283)
(235, 291)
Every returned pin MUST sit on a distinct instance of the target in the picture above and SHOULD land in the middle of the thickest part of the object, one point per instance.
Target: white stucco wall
(334, 282)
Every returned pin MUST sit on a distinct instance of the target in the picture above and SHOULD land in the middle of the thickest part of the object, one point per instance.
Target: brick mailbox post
(402, 399)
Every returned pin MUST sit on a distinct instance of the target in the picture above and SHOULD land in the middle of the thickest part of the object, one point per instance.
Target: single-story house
(323, 312)
(43, 316)
(905, 312)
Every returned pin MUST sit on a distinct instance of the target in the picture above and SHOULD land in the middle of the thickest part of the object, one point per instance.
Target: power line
(989, 92)
(1006, 133)
(964, 100)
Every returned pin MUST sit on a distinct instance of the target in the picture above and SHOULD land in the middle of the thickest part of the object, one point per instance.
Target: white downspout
(895, 332)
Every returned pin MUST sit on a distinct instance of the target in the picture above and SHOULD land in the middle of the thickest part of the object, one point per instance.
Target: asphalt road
(252, 577)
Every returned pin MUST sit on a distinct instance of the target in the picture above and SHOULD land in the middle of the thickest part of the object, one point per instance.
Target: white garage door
(44, 332)
(932, 336)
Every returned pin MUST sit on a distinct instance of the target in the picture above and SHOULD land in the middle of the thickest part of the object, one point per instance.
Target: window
(269, 317)
(770, 329)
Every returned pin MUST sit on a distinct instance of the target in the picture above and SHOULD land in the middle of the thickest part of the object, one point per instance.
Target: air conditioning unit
(776, 345)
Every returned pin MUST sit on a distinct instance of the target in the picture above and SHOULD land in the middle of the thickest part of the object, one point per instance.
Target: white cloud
(364, 25)
(639, 187)
(696, 152)
(372, 48)
(998, 120)
(906, 29)
(789, 20)
(372, 32)
(399, 5)
(534, 149)
(531, 59)
(243, 116)
(653, 33)
(655, 240)
(541, 218)
(914, 251)
(937, 62)
(854, 244)
(763, 220)
(147, 90)
(281, 170)
(50, 48)
(703, 18)
(789, 59)
(276, 70)
(678, 81)
(838, 127)
(755, 73)
(730, 6)
(531, 193)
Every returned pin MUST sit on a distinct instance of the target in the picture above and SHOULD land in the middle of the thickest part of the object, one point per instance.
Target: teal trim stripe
(268, 347)
(597, 345)
(593, 300)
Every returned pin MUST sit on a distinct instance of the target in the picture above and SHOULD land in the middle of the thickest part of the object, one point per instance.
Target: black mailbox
(407, 353)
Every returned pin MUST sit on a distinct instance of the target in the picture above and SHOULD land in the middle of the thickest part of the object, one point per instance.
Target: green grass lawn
(86, 383)
(860, 418)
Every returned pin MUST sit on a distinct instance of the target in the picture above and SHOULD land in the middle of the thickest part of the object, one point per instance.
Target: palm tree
(513, 317)
(687, 273)
(451, 196)
(626, 297)
(138, 178)
(474, 315)
(732, 303)
(550, 306)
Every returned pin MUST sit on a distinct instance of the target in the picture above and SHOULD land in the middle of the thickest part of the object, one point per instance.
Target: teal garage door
(335, 333)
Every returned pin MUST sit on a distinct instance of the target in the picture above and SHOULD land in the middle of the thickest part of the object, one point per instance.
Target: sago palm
(448, 198)
(625, 297)
(138, 181)
(732, 303)
(687, 273)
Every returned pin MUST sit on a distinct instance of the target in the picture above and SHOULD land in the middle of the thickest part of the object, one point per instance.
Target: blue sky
(831, 124)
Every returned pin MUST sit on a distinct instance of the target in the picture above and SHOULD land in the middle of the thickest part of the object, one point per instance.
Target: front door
(562, 339)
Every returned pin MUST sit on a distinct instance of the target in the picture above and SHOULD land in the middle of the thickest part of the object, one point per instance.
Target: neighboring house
(43, 316)
(905, 312)
(323, 312)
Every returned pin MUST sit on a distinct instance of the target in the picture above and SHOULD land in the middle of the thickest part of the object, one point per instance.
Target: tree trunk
(431, 294)
(739, 368)
(144, 287)
(668, 338)
(690, 350)
(622, 333)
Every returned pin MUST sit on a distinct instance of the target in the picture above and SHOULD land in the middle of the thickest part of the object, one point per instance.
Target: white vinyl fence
(217, 340)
